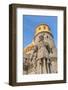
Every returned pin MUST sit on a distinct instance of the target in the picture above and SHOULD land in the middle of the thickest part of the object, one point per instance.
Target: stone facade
(40, 57)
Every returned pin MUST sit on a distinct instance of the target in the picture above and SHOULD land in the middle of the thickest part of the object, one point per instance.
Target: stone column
(48, 66)
(44, 66)
(38, 66)
(54, 65)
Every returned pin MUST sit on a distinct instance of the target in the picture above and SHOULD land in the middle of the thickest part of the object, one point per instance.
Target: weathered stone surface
(42, 52)
(42, 58)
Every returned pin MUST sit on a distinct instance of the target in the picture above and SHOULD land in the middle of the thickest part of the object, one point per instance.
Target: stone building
(40, 57)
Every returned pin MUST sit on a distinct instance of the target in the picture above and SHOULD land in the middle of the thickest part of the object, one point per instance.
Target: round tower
(41, 54)
(44, 30)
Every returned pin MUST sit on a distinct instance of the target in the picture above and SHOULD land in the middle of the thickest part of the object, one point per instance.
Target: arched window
(39, 28)
(47, 36)
(41, 37)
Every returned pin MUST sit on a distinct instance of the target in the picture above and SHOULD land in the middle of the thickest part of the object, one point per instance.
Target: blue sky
(30, 22)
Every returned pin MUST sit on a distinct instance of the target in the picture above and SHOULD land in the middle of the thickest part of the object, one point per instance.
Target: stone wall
(42, 58)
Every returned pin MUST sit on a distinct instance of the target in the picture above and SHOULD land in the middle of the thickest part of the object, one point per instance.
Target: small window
(47, 36)
(39, 28)
(44, 27)
(41, 37)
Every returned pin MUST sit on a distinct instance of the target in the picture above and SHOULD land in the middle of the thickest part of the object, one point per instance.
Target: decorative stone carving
(41, 58)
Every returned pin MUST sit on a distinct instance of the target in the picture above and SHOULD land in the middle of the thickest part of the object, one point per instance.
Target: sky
(30, 22)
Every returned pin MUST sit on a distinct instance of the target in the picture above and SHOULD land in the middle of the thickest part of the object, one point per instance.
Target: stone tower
(40, 57)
